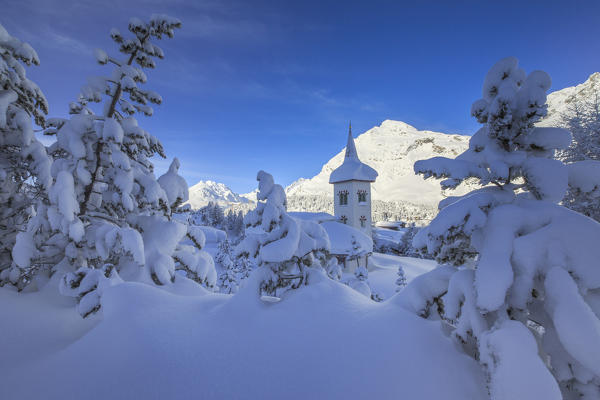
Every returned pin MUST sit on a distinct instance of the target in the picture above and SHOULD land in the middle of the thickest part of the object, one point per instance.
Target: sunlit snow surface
(321, 341)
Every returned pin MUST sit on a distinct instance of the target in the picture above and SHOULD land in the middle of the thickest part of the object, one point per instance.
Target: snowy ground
(383, 277)
(322, 341)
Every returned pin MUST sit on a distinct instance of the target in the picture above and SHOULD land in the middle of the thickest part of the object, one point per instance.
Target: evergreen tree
(360, 282)
(401, 281)
(405, 247)
(175, 186)
(189, 255)
(191, 258)
(583, 120)
(528, 261)
(284, 249)
(243, 266)
(229, 280)
(24, 162)
(334, 270)
(105, 205)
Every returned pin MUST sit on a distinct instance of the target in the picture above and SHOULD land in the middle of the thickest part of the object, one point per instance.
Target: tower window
(344, 219)
(362, 196)
(343, 195)
(363, 221)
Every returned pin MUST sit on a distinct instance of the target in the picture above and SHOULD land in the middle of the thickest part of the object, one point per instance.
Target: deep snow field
(324, 340)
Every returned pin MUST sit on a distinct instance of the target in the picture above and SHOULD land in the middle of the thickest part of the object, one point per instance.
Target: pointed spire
(352, 169)
(350, 147)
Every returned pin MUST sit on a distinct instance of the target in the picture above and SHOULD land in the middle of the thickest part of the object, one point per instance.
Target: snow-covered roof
(352, 169)
(213, 235)
(312, 216)
(340, 237)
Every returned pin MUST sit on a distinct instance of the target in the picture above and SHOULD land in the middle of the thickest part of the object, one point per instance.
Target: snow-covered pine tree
(243, 266)
(212, 215)
(229, 281)
(217, 216)
(401, 281)
(24, 162)
(360, 281)
(583, 120)
(284, 249)
(405, 247)
(334, 269)
(229, 220)
(191, 258)
(189, 255)
(238, 226)
(105, 204)
(175, 186)
(234, 225)
(531, 273)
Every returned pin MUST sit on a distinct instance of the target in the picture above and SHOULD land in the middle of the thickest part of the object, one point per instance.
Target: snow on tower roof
(352, 169)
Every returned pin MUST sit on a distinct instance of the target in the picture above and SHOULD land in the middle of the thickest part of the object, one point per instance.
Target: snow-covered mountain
(391, 148)
(251, 195)
(204, 192)
(560, 101)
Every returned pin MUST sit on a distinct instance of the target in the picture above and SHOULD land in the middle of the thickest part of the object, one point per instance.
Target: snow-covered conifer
(189, 254)
(401, 281)
(191, 258)
(405, 247)
(360, 282)
(234, 224)
(24, 162)
(228, 279)
(334, 269)
(212, 215)
(527, 260)
(284, 248)
(243, 266)
(583, 120)
(105, 204)
(174, 185)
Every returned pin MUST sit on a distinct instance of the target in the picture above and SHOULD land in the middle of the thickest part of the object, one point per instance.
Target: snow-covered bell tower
(352, 189)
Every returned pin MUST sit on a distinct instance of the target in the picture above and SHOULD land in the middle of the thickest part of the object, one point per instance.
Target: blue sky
(271, 85)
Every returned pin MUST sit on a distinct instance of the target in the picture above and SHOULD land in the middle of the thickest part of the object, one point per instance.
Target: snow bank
(213, 235)
(384, 271)
(341, 235)
(324, 341)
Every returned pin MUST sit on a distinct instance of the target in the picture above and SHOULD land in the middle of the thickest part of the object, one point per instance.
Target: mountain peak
(594, 77)
(391, 149)
(207, 191)
(391, 125)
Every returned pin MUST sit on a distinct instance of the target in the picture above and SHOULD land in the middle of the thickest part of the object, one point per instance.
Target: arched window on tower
(343, 196)
(344, 219)
(363, 221)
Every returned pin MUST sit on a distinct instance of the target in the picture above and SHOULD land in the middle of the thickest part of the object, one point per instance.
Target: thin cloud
(218, 29)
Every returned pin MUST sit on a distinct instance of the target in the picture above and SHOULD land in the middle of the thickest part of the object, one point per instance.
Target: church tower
(352, 189)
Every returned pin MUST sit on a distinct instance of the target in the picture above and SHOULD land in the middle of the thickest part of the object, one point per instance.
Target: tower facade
(352, 189)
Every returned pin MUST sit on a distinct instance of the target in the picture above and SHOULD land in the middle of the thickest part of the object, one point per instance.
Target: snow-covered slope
(204, 192)
(324, 341)
(560, 101)
(391, 148)
(251, 195)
